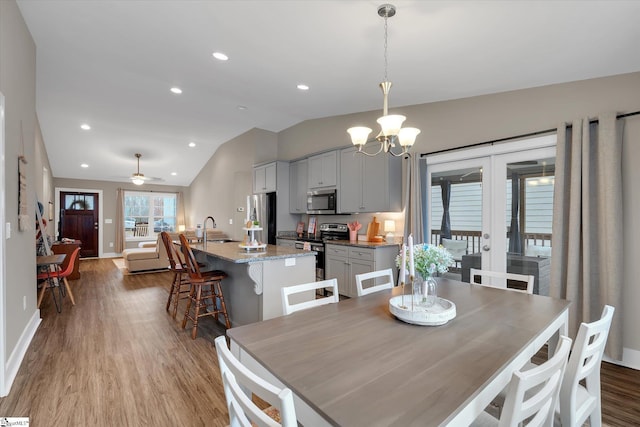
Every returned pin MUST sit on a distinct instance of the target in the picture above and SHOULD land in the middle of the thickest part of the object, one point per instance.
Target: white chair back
(288, 307)
(533, 393)
(577, 403)
(528, 279)
(457, 248)
(236, 379)
(374, 275)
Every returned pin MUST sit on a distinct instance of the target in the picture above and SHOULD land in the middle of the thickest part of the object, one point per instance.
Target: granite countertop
(232, 252)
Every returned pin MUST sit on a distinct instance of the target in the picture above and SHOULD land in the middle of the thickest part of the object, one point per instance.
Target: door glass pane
(529, 215)
(456, 214)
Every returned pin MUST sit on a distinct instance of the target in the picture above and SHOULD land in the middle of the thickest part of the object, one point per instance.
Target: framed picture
(300, 228)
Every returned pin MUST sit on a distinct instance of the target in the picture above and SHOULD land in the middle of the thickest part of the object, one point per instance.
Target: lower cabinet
(345, 262)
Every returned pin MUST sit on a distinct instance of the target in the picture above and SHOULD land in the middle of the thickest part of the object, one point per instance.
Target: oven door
(319, 248)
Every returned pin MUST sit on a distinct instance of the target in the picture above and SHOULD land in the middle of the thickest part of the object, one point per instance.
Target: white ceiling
(110, 63)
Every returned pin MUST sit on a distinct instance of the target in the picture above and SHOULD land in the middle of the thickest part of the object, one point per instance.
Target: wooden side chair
(180, 286)
(289, 307)
(205, 297)
(239, 385)
(532, 394)
(366, 278)
(528, 279)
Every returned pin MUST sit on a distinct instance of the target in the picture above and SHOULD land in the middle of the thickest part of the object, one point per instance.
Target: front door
(79, 220)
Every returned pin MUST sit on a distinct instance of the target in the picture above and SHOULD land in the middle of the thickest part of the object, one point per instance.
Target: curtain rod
(524, 135)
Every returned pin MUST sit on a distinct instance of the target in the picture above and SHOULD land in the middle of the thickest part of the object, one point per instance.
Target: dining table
(353, 363)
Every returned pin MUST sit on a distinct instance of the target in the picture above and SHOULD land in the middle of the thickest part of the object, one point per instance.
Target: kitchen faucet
(204, 232)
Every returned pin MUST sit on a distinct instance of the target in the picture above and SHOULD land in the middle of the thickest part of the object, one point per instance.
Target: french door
(499, 199)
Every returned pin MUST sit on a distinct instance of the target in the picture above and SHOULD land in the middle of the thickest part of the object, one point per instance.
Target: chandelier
(392, 133)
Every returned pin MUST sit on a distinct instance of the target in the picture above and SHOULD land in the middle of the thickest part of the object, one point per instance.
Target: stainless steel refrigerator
(263, 209)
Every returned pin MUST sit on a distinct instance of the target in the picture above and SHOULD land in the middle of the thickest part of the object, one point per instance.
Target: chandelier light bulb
(407, 136)
(391, 124)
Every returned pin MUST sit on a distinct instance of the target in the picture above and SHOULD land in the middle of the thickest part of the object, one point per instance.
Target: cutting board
(372, 230)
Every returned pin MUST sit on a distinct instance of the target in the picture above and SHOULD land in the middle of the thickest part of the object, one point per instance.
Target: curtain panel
(119, 220)
(415, 173)
(587, 255)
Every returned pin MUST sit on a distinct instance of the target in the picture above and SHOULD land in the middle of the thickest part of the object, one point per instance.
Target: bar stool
(206, 291)
(180, 286)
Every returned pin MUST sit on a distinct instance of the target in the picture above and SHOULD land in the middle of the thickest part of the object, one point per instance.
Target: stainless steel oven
(321, 202)
(317, 246)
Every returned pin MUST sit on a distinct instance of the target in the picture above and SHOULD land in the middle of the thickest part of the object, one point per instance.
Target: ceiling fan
(139, 178)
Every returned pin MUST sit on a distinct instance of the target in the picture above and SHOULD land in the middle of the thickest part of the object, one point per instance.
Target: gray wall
(18, 84)
(109, 194)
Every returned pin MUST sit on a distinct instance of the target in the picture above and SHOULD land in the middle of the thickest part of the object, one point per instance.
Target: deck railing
(474, 239)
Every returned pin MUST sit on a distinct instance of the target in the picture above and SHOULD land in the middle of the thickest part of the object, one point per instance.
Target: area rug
(119, 263)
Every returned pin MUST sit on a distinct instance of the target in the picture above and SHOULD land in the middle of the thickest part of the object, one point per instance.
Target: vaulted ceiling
(111, 64)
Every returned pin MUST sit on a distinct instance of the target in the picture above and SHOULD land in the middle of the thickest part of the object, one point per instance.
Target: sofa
(147, 256)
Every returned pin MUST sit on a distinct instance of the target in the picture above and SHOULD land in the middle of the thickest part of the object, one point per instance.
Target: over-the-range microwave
(321, 202)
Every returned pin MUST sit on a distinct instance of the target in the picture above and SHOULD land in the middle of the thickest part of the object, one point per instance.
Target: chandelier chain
(385, 49)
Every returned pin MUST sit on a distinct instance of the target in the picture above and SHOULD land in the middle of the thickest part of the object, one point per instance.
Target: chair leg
(194, 330)
(66, 285)
(189, 300)
(223, 306)
(172, 291)
(43, 289)
(179, 284)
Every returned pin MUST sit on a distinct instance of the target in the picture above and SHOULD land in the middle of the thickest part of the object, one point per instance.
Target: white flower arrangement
(428, 259)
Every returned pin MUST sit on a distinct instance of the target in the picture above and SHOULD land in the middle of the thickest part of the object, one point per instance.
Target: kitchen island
(252, 288)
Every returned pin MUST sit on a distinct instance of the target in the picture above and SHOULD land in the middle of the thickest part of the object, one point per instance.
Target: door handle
(486, 248)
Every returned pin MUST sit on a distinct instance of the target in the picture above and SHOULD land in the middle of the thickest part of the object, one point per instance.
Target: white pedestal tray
(252, 231)
(438, 314)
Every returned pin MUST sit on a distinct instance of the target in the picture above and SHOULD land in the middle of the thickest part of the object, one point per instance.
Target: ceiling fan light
(407, 136)
(137, 180)
(359, 134)
(391, 124)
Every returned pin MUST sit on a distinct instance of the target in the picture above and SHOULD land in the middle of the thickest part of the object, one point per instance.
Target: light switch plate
(7, 230)
(289, 262)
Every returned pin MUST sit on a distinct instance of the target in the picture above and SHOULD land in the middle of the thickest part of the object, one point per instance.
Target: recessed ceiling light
(242, 107)
(220, 56)
(192, 144)
(84, 165)
(174, 173)
(176, 90)
(303, 87)
(85, 126)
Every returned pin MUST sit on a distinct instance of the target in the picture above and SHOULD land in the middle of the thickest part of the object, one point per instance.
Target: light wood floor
(117, 358)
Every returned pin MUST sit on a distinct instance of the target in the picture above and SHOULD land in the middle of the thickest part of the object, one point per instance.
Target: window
(148, 214)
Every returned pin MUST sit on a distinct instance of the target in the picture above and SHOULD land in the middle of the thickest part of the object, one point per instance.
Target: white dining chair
(288, 307)
(361, 281)
(577, 402)
(240, 383)
(532, 394)
(528, 279)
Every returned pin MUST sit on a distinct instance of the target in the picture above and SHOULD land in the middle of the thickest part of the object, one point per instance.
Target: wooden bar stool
(180, 286)
(206, 291)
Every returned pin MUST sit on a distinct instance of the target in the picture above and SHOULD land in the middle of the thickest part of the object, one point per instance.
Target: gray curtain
(415, 168)
(515, 240)
(586, 265)
(445, 226)
(119, 220)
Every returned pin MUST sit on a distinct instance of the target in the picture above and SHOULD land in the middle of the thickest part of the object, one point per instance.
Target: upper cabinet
(264, 178)
(323, 170)
(369, 184)
(298, 179)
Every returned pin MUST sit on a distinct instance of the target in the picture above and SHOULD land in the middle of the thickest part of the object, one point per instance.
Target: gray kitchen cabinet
(344, 262)
(298, 186)
(369, 184)
(264, 178)
(323, 170)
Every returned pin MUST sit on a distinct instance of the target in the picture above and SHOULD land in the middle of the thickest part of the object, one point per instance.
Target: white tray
(438, 314)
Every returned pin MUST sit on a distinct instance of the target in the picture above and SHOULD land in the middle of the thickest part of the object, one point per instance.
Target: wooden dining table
(354, 364)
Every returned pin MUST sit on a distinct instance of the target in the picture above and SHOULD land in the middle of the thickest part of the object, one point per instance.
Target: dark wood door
(79, 220)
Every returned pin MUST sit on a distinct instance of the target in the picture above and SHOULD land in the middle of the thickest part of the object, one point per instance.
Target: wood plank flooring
(117, 358)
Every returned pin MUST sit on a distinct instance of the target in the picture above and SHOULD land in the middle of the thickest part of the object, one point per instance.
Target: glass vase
(425, 291)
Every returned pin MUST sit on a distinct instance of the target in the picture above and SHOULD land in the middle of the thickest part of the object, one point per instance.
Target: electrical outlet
(24, 302)
(110, 244)
(230, 221)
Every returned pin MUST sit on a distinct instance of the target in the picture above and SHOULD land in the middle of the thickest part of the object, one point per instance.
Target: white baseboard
(17, 355)
(630, 359)
(111, 255)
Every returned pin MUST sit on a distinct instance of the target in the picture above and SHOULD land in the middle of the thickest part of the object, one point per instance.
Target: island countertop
(232, 252)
